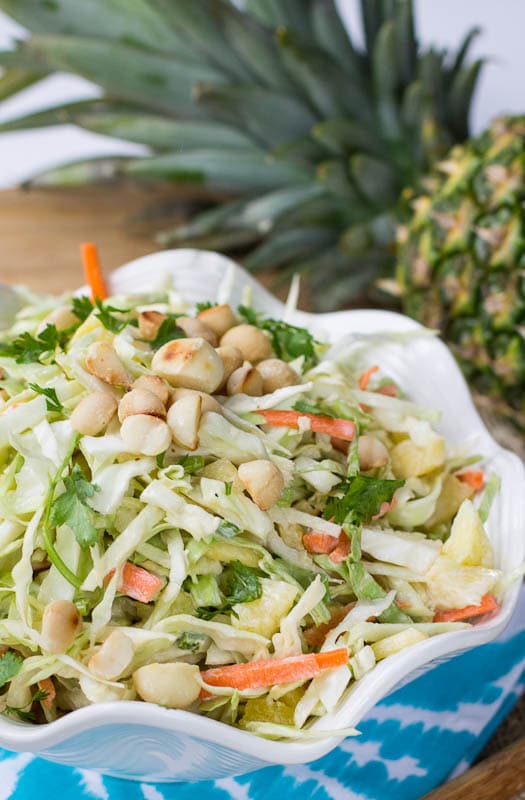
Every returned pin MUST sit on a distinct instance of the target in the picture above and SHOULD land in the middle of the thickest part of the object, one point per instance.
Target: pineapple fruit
(410, 460)
(312, 137)
(461, 260)
(264, 615)
(468, 544)
(463, 572)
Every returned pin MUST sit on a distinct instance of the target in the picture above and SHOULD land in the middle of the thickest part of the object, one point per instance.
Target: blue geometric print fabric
(416, 738)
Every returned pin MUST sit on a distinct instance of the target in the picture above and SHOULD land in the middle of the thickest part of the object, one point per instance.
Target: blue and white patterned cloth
(411, 742)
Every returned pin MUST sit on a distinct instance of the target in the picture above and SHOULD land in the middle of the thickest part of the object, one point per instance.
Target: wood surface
(501, 777)
(40, 233)
(41, 229)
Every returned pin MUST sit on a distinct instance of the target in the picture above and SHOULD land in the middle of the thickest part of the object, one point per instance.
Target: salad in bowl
(207, 508)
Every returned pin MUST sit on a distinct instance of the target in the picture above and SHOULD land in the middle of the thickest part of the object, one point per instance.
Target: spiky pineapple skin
(461, 260)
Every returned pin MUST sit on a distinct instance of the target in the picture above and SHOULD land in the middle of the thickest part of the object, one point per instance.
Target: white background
(441, 22)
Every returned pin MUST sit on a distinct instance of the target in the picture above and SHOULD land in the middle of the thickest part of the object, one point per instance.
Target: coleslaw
(208, 509)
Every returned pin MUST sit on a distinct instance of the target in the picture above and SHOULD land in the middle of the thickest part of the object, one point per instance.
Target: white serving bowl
(144, 742)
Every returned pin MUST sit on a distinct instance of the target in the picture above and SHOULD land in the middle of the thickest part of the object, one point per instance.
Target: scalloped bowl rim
(387, 674)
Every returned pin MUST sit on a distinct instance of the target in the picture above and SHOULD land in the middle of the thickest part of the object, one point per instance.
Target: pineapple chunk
(453, 492)
(266, 709)
(228, 551)
(393, 644)
(409, 460)
(223, 470)
(264, 615)
(451, 585)
(468, 544)
(91, 330)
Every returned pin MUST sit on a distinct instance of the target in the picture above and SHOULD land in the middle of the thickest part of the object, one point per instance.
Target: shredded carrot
(46, 685)
(488, 603)
(388, 389)
(93, 271)
(339, 444)
(340, 428)
(322, 543)
(473, 478)
(273, 671)
(342, 550)
(384, 508)
(138, 583)
(319, 543)
(365, 376)
(315, 636)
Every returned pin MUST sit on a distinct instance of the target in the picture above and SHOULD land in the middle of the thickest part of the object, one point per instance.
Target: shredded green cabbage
(190, 557)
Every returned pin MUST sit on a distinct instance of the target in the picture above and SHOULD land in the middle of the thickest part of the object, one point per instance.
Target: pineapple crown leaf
(255, 100)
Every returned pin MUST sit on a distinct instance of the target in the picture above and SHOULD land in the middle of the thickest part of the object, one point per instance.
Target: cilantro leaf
(362, 499)
(52, 401)
(26, 348)
(39, 695)
(20, 713)
(82, 307)
(204, 306)
(70, 508)
(241, 584)
(105, 315)
(10, 665)
(288, 341)
(249, 315)
(167, 331)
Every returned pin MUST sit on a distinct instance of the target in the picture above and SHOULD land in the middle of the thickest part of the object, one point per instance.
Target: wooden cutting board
(40, 232)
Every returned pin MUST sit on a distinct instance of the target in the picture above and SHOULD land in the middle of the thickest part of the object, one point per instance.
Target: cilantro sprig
(167, 331)
(362, 498)
(10, 666)
(26, 348)
(52, 402)
(288, 341)
(52, 517)
(21, 713)
(82, 307)
(239, 584)
(71, 509)
(105, 314)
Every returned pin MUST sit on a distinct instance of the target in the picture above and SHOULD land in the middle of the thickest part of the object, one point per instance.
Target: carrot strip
(315, 636)
(488, 603)
(138, 583)
(273, 671)
(365, 376)
(472, 477)
(340, 428)
(388, 389)
(342, 550)
(93, 271)
(384, 508)
(319, 543)
(339, 444)
(46, 685)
